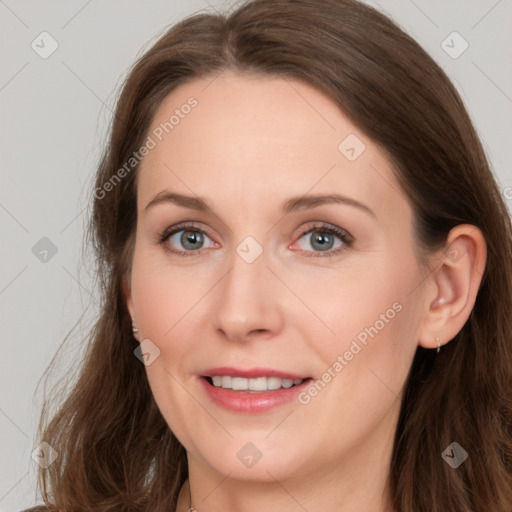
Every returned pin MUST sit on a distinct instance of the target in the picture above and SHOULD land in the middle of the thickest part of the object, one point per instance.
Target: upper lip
(251, 373)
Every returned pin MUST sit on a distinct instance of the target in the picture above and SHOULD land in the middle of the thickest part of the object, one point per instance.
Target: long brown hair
(116, 450)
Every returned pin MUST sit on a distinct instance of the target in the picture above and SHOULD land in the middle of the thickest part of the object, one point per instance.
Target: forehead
(236, 138)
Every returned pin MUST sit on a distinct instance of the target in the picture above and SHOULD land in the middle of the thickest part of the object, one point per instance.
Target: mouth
(252, 391)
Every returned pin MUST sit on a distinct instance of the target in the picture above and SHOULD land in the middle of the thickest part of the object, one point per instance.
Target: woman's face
(245, 267)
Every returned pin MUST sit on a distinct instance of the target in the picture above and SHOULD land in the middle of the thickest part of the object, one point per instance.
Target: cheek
(367, 359)
(164, 299)
(155, 303)
(370, 313)
(171, 305)
(162, 294)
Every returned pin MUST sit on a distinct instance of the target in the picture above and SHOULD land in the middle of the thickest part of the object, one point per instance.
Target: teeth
(256, 384)
(259, 384)
(237, 383)
(287, 383)
(273, 383)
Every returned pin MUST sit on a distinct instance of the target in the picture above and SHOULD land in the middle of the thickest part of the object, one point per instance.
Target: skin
(249, 145)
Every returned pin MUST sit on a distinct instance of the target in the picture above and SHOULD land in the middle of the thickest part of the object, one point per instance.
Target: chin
(259, 460)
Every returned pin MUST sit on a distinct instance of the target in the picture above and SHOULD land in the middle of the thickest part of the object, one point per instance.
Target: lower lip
(251, 402)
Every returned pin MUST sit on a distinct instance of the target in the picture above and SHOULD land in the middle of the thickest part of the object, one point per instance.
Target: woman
(306, 275)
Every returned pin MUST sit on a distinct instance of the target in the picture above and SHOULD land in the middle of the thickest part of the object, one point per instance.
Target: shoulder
(40, 508)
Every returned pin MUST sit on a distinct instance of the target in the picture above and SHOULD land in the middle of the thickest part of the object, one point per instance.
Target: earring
(135, 330)
(438, 345)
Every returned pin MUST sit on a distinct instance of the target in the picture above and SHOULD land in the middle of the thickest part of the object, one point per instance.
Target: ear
(127, 293)
(453, 286)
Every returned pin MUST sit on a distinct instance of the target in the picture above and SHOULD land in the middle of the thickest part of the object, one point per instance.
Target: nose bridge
(247, 296)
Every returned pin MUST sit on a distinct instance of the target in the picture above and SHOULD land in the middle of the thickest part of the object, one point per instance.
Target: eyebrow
(293, 204)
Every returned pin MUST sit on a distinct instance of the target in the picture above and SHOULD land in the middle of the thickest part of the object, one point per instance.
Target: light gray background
(54, 116)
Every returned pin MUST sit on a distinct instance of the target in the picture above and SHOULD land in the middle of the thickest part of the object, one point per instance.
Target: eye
(185, 239)
(325, 240)
(189, 240)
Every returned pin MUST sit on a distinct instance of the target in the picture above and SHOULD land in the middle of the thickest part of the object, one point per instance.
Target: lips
(253, 390)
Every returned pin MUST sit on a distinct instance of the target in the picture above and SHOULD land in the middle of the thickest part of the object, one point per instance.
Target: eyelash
(343, 235)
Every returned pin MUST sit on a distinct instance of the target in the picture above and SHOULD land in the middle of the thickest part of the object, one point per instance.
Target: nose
(249, 301)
